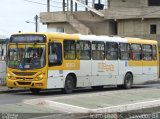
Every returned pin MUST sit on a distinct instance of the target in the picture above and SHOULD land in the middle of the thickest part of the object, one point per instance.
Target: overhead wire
(122, 10)
(40, 3)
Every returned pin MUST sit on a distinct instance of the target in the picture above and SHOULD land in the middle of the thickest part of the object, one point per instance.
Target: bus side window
(124, 51)
(98, 50)
(154, 52)
(136, 52)
(147, 52)
(83, 50)
(69, 50)
(111, 51)
(55, 54)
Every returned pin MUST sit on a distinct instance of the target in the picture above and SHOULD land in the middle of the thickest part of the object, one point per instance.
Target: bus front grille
(24, 83)
(24, 73)
(22, 78)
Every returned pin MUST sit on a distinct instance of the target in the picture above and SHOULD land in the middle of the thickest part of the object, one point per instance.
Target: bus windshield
(26, 56)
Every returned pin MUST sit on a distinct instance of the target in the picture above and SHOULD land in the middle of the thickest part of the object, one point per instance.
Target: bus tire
(35, 90)
(97, 87)
(128, 81)
(69, 85)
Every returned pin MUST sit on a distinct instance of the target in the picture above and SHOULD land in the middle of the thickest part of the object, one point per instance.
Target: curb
(67, 108)
(152, 82)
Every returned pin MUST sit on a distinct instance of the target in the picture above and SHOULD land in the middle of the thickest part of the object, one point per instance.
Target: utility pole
(48, 5)
(36, 23)
(86, 4)
(63, 4)
(67, 5)
(71, 5)
(75, 6)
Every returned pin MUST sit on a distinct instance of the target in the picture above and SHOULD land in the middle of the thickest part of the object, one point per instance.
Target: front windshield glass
(28, 56)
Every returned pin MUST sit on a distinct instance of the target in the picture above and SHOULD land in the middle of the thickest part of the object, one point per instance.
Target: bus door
(55, 66)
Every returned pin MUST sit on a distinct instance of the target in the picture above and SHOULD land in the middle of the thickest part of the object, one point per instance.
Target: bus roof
(55, 35)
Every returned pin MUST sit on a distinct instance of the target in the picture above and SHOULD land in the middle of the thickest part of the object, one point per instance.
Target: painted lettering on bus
(102, 67)
(70, 65)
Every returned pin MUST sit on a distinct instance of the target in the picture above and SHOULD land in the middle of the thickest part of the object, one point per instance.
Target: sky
(14, 13)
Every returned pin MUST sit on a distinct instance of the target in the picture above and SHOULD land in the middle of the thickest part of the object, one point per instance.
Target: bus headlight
(9, 75)
(41, 76)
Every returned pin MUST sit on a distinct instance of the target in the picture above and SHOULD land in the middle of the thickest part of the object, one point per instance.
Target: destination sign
(28, 38)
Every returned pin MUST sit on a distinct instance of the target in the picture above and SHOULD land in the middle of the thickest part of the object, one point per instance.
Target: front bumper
(26, 84)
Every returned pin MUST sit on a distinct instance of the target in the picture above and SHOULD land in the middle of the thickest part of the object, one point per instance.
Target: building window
(153, 2)
(83, 50)
(111, 51)
(98, 50)
(60, 30)
(69, 50)
(153, 29)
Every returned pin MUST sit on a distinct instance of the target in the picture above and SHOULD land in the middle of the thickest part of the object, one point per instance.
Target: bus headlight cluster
(9, 75)
(41, 76)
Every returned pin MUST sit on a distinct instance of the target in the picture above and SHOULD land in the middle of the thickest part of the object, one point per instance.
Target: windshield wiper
(36, 41)
(23, 60)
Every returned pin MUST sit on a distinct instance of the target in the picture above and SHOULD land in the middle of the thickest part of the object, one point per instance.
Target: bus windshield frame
(26, 56)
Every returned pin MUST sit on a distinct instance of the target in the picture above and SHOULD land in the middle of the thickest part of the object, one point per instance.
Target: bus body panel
(55, 79)
(104, 72)
(84, 74)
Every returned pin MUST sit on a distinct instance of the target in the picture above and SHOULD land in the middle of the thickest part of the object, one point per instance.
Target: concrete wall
(50, 17)
(137, 26)
(98, 28)
(127, 3)
(67, 27)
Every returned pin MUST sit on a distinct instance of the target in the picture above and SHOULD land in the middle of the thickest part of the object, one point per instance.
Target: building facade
(126, 18)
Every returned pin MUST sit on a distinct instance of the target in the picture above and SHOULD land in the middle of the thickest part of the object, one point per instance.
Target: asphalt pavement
(82, 104)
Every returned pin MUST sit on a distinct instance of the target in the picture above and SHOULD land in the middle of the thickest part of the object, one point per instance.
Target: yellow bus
(66, 61)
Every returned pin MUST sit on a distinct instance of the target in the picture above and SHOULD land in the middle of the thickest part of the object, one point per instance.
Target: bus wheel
(97, 87)
(128, 81)
(35, 90)
(69, 85)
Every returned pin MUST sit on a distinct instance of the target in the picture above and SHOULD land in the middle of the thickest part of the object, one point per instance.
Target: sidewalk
(102, 102)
